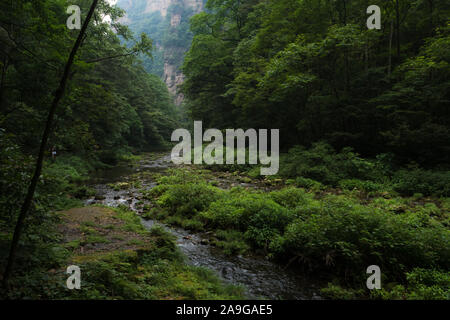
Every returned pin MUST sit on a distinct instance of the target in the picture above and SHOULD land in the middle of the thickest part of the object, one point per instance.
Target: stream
(261, 277)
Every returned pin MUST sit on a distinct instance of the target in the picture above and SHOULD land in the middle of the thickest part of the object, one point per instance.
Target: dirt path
(96, 230)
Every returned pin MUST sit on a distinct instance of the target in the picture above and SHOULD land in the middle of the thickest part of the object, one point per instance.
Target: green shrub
(409, 182)
(362, 185)
(308, 183)
(260, 219)
(177, 176)
(421, 284)
(189, 199)
(336, 292)
(347, 235)
(337, 234)
(232, 242)
(291, 197)
(192, 224)
(321, 163)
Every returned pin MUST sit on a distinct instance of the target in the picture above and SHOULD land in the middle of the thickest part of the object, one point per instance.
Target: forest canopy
(363, 181)
(112, 106)
(314, 69)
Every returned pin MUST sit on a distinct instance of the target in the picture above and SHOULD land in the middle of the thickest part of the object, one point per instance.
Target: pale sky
(107, 18)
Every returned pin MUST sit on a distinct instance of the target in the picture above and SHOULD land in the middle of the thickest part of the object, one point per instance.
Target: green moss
(155, 273)
(93, 239)
(132, 221)
(88, 230)
(232, 242)
(73, 244)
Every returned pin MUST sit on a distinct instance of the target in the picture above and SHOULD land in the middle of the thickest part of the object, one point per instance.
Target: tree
(313, 69)
(37, 172)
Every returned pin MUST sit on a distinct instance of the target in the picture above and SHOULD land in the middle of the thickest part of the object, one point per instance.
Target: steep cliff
(167, 23)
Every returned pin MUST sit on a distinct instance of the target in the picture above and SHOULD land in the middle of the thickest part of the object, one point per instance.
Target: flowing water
(261, 278)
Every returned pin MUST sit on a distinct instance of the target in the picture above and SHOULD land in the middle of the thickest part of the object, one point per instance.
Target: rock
(316, 297)
(227, 272)
(204, 242)
(123, 185)
(100, 197)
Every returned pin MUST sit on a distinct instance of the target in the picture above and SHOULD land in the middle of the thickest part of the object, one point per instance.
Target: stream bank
(261, 277)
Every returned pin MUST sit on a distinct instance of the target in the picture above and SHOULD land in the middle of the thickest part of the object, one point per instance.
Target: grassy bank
(331, 231)
(118, 259)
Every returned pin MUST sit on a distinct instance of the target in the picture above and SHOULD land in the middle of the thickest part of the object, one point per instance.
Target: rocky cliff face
(161, 5)
(174, 12)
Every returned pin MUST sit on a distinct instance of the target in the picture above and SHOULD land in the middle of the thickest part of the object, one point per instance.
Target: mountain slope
(167, 23)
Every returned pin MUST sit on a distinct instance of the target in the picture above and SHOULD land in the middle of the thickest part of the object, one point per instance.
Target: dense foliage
(112, 105)
(314, 70)
(365, 134)
(111, 108)
(338, 235)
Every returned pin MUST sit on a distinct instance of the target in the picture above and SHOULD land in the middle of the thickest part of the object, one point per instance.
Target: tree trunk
(391, 35)
(2, 79)
(430, 3)
(366, 57)
(397, 26)
(347, 75)
(31, 189)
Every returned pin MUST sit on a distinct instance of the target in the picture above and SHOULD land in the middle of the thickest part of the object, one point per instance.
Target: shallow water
(261, 278)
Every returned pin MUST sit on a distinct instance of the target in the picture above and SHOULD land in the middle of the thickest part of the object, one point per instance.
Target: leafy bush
(409, 182)
(363, 185)
(321, 163)
(188, 199)
(336, 292)
(231, 241)
(336, 234)
(38, 249)
(308, 183)
(347, 235)
(421, 284)
(260, 219)
(291, 197)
